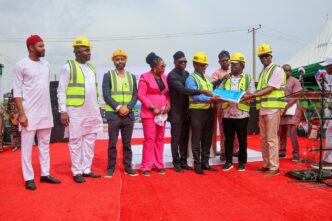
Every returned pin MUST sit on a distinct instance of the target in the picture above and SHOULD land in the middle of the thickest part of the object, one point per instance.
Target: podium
(316, 106)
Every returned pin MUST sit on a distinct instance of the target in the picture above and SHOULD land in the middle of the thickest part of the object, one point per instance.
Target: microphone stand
(301, 78)
(320, 169)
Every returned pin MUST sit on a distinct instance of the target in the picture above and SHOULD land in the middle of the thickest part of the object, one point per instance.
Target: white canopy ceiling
(316, 50)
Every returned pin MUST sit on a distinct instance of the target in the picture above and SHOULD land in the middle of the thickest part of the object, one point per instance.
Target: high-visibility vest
(243, 86)
(275, 99)
(201, 85)
(75, 94)
(121, 92)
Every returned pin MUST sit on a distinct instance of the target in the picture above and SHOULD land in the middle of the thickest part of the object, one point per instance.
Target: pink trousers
(153, 145)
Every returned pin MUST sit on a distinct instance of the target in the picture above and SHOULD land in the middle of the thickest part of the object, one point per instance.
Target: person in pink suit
(154, 96)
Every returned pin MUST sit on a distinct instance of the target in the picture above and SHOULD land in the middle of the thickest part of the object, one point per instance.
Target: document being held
(229, 95)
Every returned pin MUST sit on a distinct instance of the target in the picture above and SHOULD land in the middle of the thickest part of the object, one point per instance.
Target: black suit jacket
(179, 95)
(107, 86)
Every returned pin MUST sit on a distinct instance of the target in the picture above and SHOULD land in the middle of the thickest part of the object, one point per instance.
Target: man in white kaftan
(32, 96)
(84, 121)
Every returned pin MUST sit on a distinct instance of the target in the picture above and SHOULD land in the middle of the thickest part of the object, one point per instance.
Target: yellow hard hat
(238, 57)
(200, 57)
(119, 52)
(264, 49)
(82, 41)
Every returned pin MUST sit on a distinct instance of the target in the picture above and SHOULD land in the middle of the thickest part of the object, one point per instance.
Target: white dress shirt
(32, 83)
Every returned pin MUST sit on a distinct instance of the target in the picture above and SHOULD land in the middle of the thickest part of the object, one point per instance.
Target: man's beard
(40, 54)
(120, 66)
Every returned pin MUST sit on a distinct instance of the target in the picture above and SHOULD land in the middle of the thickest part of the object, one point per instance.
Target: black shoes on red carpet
(92, 175)
(180, 168)
(208, 167)
(227, 166)
(31, 185)
(186, 167)
(241, 167)
(79, 178)
(49, 179)
(130, 172)
(199, 170)
(109, 173)
(177, 168)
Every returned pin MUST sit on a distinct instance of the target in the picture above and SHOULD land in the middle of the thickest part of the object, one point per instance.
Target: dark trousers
(201, 122)
(179, 143)
(126, 126)
(238, 126)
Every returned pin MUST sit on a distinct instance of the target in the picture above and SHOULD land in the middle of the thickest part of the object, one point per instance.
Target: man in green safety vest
(120, 95)
(270, 101)
(79, 107)
(201, 114)
(235, 116)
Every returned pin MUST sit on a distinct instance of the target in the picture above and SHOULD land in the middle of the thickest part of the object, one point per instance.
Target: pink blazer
(149, 94)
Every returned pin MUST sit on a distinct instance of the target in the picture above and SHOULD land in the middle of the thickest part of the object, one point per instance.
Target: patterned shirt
(232, 111)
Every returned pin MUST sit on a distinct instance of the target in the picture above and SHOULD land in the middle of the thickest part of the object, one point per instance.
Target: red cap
(33, 39)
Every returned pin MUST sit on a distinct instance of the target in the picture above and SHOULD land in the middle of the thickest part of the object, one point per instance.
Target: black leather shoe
(91, 174)
(49, 179)
(177, 168)
(30, 185)
(186, 167)
(199, 170)
(79, 178)
(207, 167)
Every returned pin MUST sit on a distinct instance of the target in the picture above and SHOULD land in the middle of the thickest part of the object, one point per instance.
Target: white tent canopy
(316, 50)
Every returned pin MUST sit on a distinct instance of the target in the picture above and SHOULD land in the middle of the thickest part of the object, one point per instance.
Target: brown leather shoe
(272, 173)
(262, 170)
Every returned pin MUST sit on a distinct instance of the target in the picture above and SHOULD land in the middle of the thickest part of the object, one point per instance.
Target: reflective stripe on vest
(75, 94)
(275, 99)
(243, 86)
(201, 85)
(121, 92)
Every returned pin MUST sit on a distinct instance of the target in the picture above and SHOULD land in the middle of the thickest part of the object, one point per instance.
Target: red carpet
(216, 196)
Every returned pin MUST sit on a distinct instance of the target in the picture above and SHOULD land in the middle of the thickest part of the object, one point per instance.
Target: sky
(162, 26)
